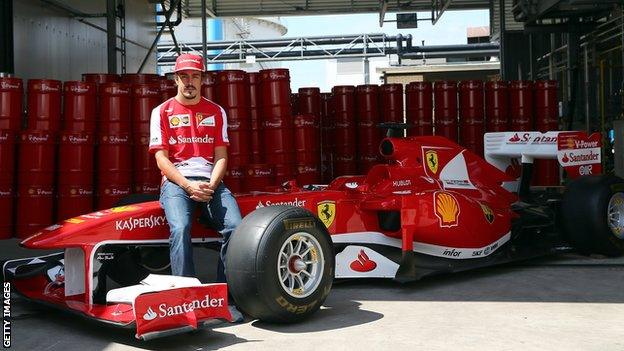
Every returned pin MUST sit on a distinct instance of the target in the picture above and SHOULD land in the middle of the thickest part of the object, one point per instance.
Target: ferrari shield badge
(326, 212)
(488, 213)
(432, 161)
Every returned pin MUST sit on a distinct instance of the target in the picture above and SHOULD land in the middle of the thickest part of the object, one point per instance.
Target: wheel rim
(300, 265)
(615, 215)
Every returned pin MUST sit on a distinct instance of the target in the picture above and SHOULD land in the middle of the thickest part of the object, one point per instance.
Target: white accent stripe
(424, 248)
(224, 133)
(155, 130)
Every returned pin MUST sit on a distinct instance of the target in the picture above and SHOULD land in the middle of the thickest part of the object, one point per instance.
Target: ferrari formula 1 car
(433, 208)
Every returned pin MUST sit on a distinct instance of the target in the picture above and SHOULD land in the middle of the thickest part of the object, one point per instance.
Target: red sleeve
(159, 137)
(221, 139)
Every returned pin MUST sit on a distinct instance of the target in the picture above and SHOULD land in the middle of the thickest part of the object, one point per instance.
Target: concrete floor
(559, 303)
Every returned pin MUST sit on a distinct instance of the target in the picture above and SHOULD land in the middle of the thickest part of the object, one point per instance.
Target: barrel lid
(343, 89)
(391, 87)
(309, 91)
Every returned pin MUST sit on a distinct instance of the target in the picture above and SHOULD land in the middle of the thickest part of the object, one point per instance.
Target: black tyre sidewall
(585, 213)
(258, 291)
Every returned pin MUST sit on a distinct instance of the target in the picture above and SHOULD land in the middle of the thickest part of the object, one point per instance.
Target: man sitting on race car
(188, 134)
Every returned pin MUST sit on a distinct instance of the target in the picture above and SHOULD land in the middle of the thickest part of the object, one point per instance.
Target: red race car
(433, 208)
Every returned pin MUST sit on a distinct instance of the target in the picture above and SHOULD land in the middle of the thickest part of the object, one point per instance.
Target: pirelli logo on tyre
(298, 223)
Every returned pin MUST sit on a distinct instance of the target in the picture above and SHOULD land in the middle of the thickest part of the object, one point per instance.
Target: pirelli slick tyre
(592, 213)
(280, 264)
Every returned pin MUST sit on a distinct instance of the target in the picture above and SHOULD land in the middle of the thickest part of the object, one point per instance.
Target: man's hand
(199, 191)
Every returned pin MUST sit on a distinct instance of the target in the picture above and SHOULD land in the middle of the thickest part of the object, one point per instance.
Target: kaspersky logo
(165, 310)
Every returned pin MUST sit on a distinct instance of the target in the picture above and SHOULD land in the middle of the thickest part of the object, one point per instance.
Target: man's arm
(196, 189)
(220, 166)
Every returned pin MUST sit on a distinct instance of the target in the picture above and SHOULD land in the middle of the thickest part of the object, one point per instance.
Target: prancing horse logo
(326, 211)
(432, 161)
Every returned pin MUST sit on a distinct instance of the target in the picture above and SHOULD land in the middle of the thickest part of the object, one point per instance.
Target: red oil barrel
(445, 93)
(275, 94)
(279, 142)
(29, 197)
(100, 78)
(139, 78)
(368, 134)
(344, 164)
(35, 182)
(284, 173)
(419, 108)
(345, 132)
(233, 95)
(308, 149)
(11, 93)
(257, 156)
(294, 103)
(7, 197)
(168, 89)
(145, 173)
(234, 179)
(310, 101)
(75, 174)
(258, 176)
(145, 97)
(209, 81)
(521, 105)
(36, 158)
(546, 119)
(497, 106)
(471, 115)
(7, 182)
(276, 121)
(79, 106)
(328, 141)
(7, 156)
(114, 108)
(391, 102)
(44, 104)
(113, 168)
(308, 174)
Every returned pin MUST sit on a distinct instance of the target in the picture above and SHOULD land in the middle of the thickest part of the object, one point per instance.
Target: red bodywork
(448, 199)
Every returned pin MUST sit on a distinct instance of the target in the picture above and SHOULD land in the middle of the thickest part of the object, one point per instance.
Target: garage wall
(48, 43)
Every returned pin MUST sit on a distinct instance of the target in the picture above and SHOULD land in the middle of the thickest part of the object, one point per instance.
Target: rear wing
(514, 152)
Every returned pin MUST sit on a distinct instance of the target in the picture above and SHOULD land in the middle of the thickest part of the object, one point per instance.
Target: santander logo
(515, 138)
(565, 158)
(363, 263)
(150, 314)
(165, 310)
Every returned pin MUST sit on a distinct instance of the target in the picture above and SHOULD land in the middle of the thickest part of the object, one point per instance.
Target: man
(188, 135)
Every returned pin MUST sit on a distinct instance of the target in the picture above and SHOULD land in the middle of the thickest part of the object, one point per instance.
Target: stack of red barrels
(368, 134)
(36, 156)
(328, 140)
(345, 149)
(11, 93)
(277, 123)
(307, 136)
(232, 93)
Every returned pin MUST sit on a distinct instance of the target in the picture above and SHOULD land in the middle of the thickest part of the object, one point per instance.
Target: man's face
(189, 83)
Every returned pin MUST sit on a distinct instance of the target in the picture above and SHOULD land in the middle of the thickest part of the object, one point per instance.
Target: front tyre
(280, 264)
(593, 214)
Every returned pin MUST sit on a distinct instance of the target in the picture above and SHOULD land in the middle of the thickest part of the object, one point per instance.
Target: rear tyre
(593, 214)
(280, 264)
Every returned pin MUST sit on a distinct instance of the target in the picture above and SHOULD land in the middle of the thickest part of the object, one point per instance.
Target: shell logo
(446, 209)
(175, 121)
(31, 191)
(73, 191)
(250, 172)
